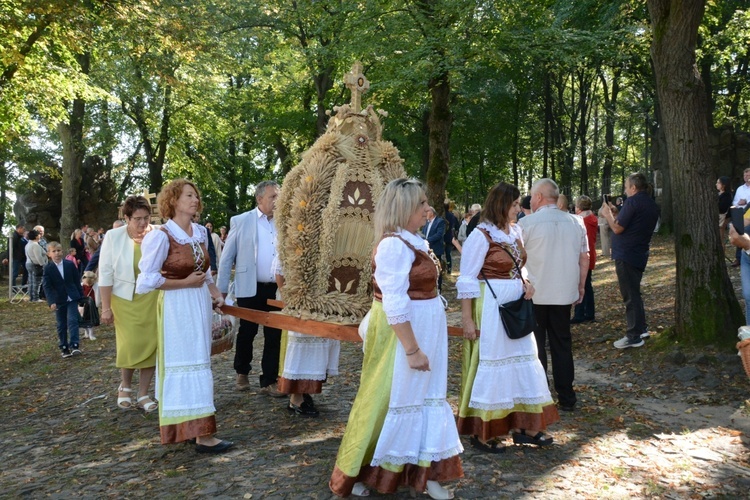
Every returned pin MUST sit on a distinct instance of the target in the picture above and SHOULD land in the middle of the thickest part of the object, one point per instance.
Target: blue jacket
(56, 290)
(435, 237)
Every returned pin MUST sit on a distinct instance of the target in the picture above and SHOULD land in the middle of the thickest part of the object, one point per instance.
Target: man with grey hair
(250, 248)
(557, 264)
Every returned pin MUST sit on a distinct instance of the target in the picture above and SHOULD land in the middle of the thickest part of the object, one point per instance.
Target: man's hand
(738, 240)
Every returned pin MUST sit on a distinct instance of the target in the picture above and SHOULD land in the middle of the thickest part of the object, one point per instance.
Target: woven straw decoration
(324, 218)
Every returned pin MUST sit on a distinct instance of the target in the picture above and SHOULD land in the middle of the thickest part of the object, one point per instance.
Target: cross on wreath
(356, 82)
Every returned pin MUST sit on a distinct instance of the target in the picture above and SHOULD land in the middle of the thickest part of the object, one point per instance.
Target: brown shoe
(736, 263)
(242, 383)
(273, 391)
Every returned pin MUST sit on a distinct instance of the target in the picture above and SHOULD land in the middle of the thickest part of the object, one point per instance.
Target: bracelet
(106, 310)
(413, 352)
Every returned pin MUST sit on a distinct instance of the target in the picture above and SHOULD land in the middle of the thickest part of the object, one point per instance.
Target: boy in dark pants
(62, 286)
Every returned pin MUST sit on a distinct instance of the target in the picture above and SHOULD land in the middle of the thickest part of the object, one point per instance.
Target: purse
(517, 315)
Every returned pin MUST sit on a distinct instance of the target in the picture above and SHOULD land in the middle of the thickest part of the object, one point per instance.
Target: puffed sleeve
(393, 261)
(474, 252)
(154, 251)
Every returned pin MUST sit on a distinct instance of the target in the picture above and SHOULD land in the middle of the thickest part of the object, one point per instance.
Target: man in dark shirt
(632, 230)
(19, 256)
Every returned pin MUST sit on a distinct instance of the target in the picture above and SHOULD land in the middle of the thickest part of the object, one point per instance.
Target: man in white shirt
(250, 247)
(557, 264)
(741, 199)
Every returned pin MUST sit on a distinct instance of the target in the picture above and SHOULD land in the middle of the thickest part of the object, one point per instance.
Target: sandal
(360, 490)
(538, 439)
(488, 447)
(124, 403)
(148, 406)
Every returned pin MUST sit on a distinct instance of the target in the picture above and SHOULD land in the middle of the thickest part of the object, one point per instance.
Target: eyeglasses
(140, 219)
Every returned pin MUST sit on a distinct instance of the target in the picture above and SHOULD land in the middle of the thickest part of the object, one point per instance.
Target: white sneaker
(625, 342)
(646, 335)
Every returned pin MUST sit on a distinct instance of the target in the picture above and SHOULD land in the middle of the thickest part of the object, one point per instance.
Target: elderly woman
(401, 430)
(175, 261)
(133, 315)
(503, 387)
(36, 259)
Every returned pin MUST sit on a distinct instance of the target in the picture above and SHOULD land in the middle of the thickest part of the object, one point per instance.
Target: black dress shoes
(221, 447)
(304, 410)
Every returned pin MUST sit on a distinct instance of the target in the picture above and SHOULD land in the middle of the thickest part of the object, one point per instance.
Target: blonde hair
(170, 193)
(399, 201)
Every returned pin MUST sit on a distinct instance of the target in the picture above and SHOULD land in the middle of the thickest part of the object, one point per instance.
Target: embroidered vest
(422, 276)
(497, 263)
(183, 260)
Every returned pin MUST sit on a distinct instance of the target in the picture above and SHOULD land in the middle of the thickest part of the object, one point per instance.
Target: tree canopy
(230, 93)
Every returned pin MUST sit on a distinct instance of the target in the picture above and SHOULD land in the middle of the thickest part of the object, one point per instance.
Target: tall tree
(701, 272)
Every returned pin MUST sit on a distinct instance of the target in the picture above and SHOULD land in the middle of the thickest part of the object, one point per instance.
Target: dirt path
(650, 424)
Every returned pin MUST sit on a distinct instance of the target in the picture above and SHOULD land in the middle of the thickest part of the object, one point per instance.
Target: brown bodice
(182, 260)
(422, 276)
(497, 263)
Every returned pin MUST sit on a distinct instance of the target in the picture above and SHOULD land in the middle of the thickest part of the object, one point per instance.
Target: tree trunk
(702, 277)
(73, 150)
(440, 122)
(610, 111)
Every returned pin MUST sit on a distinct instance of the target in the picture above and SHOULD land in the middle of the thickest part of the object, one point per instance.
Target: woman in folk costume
(175, 261)
(305, 362)
(401, 430)
(503, 388)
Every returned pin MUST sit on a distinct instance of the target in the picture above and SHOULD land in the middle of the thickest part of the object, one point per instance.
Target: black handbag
(517, 315)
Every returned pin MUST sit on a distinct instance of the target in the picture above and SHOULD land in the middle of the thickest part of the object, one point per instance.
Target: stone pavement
(62, 436)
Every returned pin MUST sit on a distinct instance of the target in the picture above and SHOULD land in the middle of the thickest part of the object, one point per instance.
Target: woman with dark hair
(77, 242)
(503, 387)
(401, 430)
(175, 261)
(725, 201)
(134, 315)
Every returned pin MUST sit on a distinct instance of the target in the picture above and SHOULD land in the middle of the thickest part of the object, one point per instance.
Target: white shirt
(742, 192)
(266, 248)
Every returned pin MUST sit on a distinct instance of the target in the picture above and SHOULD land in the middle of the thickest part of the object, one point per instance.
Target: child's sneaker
(66, 352)
(75, 351)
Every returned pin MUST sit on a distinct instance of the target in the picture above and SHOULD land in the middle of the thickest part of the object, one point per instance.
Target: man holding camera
(632, 230)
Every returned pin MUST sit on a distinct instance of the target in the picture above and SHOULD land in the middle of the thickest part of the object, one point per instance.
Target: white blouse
(393, 261)
(474, 252)
(154, 250)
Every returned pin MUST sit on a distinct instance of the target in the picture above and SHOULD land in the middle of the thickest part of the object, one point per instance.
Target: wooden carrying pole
(337, 331)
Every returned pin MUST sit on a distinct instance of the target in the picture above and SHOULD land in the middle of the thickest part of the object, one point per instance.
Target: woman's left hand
(529, 290)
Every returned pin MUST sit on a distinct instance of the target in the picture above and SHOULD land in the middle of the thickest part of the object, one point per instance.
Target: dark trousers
(629, 278)
(448, 258)
(67, 325)
(19, 266)
(585, 310)
(243, 353)
(553, 323)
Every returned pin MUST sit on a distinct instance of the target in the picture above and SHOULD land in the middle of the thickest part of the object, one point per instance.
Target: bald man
(557, 263)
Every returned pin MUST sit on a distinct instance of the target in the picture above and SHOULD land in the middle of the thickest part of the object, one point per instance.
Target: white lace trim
(468, 295)
(404, 410)
(305, 376)
(307, 340)
(188, 412)
(515, 360)
(509, 405)
(499, 236)
(188, 368)
(422, 457)
(199, 233)
(401, 318)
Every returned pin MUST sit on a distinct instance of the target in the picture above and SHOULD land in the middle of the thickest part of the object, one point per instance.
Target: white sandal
(124, 403)
(434, 490)
(360, 490)
(147, 407)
